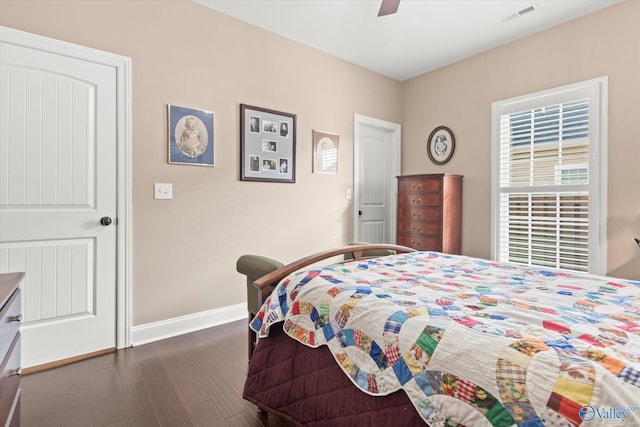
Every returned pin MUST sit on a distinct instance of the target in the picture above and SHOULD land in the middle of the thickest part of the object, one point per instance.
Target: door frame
(393, 162)
(122, 66)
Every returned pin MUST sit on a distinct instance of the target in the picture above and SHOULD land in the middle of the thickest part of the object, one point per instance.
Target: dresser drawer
(419, 199)
(9, 322)
(9, 379)
(428, 185)
(420, 242)
(419, 227)
(406, 213)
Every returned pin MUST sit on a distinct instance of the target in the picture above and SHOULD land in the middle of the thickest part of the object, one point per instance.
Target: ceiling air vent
(519, 13)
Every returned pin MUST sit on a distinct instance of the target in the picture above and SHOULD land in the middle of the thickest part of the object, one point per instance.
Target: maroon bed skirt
(307, 387)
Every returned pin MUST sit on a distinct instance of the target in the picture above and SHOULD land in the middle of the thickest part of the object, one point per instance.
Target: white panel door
(377, 157)
(57, 181)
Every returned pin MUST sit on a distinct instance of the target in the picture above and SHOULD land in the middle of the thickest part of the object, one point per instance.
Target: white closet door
(57, 181)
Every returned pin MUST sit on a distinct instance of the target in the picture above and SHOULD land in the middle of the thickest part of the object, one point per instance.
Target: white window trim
(597, 92)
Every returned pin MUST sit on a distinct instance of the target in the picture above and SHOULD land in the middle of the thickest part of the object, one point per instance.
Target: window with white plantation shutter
(548, 192)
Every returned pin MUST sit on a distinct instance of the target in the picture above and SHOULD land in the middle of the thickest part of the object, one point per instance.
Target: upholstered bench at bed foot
(254, 267)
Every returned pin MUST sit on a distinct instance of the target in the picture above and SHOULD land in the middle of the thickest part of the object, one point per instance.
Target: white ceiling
(422, 36)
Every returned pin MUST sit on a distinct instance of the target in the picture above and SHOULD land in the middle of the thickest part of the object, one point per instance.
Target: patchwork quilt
(473, 342)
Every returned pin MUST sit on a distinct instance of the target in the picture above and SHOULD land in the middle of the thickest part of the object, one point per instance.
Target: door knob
(105, 220)
(360, 213)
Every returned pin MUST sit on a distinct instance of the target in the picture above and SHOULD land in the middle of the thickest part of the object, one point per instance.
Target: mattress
(469, 341)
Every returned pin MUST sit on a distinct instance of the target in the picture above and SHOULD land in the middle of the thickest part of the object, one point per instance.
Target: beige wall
(184, 250)
(605, 43)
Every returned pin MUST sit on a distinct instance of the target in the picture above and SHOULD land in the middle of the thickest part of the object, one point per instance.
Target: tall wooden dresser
(10, 316)
(430, 212)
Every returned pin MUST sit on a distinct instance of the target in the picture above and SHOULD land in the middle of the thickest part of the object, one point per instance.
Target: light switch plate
(162, 191)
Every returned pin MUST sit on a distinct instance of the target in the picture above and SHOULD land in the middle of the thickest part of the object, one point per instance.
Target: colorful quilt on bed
(473, 342)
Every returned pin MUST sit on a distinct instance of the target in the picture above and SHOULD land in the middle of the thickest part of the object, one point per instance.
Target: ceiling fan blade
(388, 7)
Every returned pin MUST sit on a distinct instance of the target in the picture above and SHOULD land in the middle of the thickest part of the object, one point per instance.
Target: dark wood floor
(191, 380)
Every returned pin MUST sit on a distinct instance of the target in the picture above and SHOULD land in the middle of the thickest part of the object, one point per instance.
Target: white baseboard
(156, 331)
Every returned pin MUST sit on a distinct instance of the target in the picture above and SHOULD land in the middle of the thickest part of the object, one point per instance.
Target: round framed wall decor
(441, 145)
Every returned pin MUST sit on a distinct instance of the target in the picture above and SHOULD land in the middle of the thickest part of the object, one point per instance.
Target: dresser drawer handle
(13, 373)
(416, 201)
(414, 243)
(417, 187)
(415, 229)
(17, 318)
(416, 214)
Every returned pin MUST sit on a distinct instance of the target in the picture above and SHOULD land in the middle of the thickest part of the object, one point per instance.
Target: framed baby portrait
(190, 136)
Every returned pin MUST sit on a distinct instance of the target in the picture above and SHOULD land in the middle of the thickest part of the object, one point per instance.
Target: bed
(447, 340)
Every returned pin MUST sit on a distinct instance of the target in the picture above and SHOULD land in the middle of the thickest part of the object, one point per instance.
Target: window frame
(596, 90)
